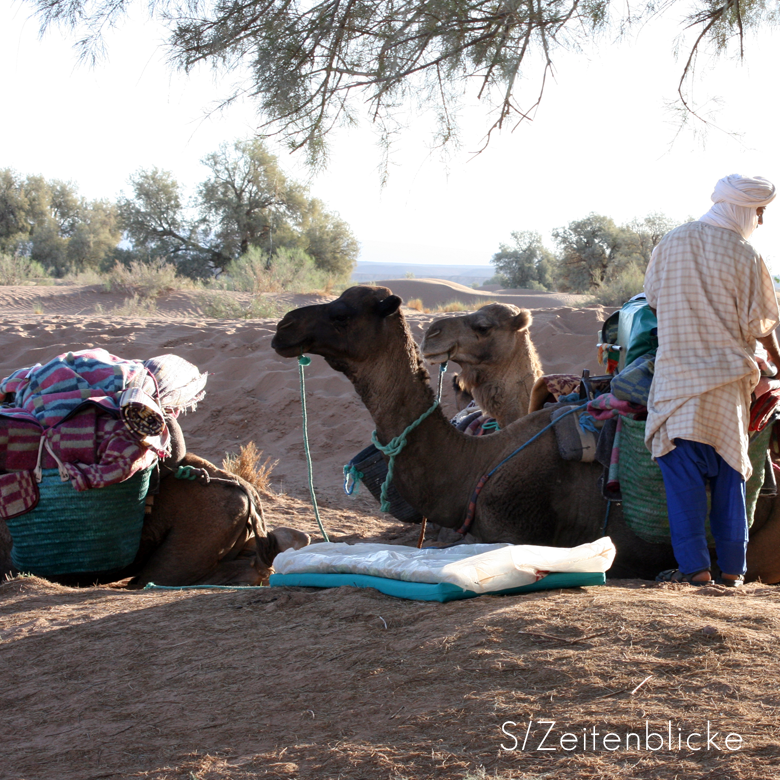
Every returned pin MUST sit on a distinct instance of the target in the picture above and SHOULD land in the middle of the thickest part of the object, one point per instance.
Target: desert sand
(348, 683)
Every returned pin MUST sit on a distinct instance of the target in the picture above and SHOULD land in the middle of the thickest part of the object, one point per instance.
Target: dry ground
(352, 684)
(346, 683)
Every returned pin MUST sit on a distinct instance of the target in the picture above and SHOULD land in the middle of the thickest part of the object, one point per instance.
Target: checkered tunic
(714, 297)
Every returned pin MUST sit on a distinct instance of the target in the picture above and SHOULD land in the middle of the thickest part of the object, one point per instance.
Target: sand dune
(438, 292)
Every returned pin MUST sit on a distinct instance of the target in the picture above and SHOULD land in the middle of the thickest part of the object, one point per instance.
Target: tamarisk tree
(313, 65)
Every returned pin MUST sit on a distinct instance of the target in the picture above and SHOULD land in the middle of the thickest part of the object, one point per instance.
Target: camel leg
(198, 526)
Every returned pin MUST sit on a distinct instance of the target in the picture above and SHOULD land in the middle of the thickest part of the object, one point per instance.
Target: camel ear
(389, 305)
(523, 320)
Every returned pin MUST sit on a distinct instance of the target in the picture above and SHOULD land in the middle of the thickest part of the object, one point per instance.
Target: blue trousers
(686, 471)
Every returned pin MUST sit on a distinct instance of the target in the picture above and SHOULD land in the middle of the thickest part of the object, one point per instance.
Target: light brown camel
(534, 498)
(494, 349)
(196, 533)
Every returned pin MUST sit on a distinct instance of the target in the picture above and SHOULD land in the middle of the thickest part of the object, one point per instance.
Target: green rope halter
(352, 476)
(302, 362)
(393, 448)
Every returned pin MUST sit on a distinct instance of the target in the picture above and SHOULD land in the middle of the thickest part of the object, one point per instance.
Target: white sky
(602, 141)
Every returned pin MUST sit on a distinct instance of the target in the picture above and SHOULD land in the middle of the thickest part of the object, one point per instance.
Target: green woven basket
(642, 485)
(88, 531)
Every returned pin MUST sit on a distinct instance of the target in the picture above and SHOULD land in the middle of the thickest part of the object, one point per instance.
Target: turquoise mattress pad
(424, 591)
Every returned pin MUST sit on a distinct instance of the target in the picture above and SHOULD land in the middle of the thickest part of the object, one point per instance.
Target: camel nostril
(282, 325)
(432, 333)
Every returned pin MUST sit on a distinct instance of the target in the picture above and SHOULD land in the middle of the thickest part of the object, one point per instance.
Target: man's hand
(770, 344)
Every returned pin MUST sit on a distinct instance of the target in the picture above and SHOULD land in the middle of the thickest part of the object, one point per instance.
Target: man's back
(714, 297)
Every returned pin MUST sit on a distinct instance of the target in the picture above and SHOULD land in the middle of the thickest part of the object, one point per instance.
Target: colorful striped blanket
(92, 449)
(55, 390)
(94, 416)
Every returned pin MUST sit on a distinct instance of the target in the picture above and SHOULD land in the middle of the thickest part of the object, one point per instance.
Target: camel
(534, 498)
(498, 359)
(197, 533)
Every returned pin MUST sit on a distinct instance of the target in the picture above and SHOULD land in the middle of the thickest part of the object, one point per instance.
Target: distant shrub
(143, 280)
(416, 304)
(288, 270)
(135, 306)
(219, 306)
(456, 306)
(534, 285)
(626, 285)
(88, 277)
(15, 269)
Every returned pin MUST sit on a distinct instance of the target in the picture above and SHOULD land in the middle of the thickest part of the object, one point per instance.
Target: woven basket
(88, 531)
(370, 463)
(642, 484)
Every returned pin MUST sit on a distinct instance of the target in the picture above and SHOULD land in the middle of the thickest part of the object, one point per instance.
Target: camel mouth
(437, 357)
(288, 350)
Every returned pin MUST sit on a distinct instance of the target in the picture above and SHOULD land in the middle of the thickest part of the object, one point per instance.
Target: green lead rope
(304, 361)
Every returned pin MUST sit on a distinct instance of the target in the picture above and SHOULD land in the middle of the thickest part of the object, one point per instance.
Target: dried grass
(451, 306)
(417, 305)
(247, 465)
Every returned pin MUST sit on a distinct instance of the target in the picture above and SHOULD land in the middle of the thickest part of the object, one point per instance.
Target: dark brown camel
(536, 498)
(196, 533)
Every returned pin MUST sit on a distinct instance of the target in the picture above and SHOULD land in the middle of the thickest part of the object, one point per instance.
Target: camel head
(346, 332)
(489, 336)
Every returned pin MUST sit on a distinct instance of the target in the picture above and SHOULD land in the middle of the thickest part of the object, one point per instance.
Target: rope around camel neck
(394, 446)
(392, 449)
(302, 362)
(352, 475)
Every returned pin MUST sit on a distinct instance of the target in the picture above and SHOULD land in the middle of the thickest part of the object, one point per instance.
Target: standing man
(714, 298)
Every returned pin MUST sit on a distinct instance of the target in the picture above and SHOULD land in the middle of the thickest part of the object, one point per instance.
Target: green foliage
(50, 223)
(247, 198)
(15, 269)
(594, 251)
(313, 66)
(527, 262)
(328, 239)
(590, 250)
(290, 270)
(495, 279)
(247, 202)
(143, 280)
(222, 307)
(136, 306)
(626, 284)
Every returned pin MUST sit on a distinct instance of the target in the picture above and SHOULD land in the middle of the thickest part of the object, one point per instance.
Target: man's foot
(698, 578)
(731, 580)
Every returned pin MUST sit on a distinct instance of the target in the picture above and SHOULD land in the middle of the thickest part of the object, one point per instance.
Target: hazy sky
(603, 140)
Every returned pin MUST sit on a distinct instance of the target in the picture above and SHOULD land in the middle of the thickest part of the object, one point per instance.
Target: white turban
(736, 199)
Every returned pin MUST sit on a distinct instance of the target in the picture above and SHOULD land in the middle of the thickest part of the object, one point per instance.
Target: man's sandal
(737, 582)
(675, 575)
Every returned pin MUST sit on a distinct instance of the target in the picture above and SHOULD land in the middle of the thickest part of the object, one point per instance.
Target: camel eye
(482, 330)
(341, 316)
